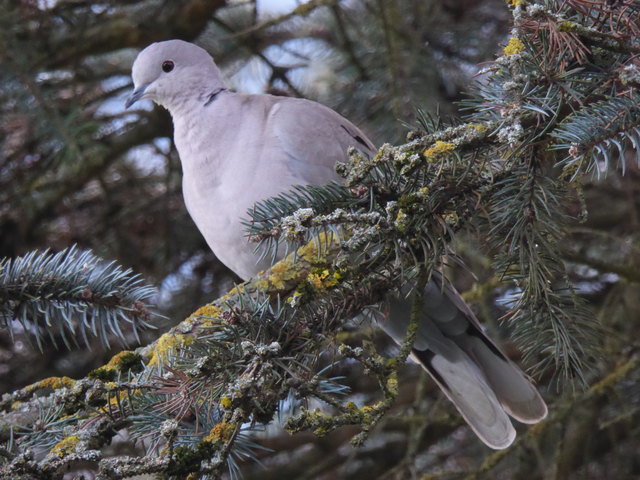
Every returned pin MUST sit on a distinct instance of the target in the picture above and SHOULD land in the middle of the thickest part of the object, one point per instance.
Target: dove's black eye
(167, 66)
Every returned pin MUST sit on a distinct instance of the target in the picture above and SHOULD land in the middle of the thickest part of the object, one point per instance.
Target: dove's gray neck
(196, 120)
(184, 106)
(213, 95)
(196, 89)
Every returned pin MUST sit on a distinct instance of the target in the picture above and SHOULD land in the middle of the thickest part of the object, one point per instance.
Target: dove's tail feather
(484, 386)
(478, 378)
(515, 392)
(463, 384)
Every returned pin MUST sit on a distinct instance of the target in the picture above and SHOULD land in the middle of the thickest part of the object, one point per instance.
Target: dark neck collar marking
(213, 95)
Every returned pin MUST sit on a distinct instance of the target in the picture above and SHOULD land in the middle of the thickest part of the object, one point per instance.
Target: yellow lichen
(65, 446)
(478, 127)
(392, 384)
(423, 192)
(120, 362)
(289, 272)
(56, 383)
(514, 46)
(294, 299)
(438, 149)
(315, 280)
(207, 315)
(567, 26)
(114, 401)
(323, 279)
(452, 218)
(222, 432)
(117, 398)
(515, 3)
(401, 220)
(116, 361)
(314, 252)
(167, 343)
(282, 272)
(210, 310)
(225, 402)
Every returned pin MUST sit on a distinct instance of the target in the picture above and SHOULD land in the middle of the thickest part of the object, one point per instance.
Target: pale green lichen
(296, 224)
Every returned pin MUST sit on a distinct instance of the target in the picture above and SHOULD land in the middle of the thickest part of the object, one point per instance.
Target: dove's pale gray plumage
(238, 149)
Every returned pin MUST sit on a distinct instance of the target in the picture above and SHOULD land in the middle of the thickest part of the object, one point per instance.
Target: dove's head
(173, 72)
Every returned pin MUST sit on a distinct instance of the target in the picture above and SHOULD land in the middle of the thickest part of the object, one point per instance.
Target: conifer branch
(73, 294)
(597, 136)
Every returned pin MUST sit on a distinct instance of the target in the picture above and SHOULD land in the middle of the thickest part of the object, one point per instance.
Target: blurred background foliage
(76, 168)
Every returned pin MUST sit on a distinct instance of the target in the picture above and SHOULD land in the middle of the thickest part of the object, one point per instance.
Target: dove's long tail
(483, 384)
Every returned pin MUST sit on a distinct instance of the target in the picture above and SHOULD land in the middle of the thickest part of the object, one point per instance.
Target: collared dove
(238, 149)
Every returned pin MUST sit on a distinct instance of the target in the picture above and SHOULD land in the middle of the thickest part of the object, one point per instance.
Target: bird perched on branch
(238, 149)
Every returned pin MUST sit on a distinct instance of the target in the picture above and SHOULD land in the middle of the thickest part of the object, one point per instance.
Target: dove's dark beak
(137, 94)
